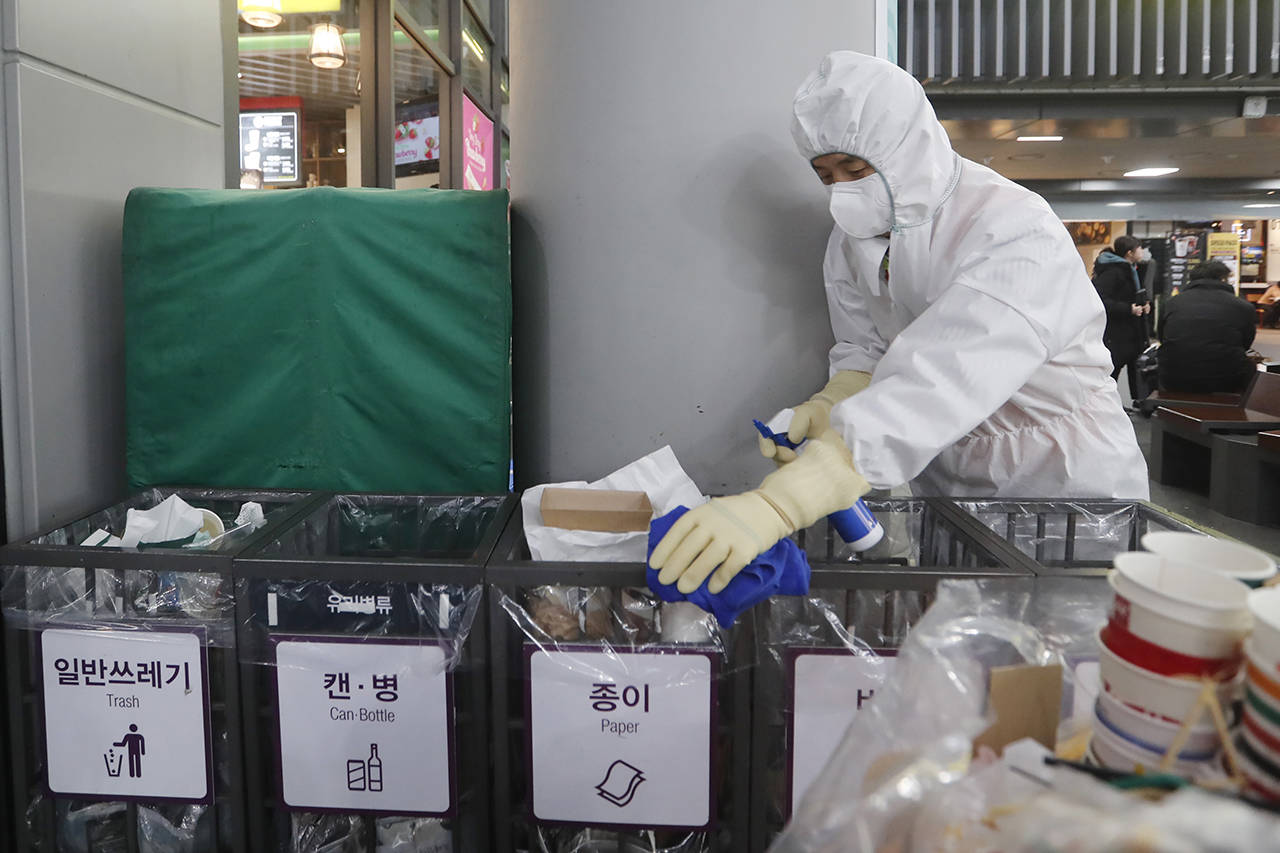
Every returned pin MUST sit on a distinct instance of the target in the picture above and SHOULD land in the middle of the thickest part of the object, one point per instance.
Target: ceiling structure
(1108, 147)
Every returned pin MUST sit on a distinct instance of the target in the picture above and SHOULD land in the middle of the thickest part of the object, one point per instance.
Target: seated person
(1271, 301)
(1205, 332)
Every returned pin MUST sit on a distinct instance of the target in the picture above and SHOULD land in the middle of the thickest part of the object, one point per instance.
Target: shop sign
(477, 148)
(621, 738)
(269, 142)
(365, 725)
(1226, 248)
(828, 689)
(126, 714)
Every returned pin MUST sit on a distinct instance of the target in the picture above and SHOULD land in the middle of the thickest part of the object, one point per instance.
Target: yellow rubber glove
(813, 417)
(726, 534)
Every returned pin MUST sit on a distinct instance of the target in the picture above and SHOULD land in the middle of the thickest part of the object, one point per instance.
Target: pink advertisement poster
(477, 147)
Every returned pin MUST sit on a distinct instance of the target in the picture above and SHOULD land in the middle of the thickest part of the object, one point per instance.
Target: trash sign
(621, 738)
(828, 688)
(365, 725)
(126, 714)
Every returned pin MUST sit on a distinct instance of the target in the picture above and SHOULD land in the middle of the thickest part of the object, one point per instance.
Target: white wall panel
(71, 349)
(667, 236)
(166, 51)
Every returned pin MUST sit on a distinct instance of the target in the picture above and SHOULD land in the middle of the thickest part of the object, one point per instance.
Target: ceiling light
(327, 49)
(1121, 203)
(342, 151)
(1265, 204)
(474, 45)
(1039, 138)
(1151, 172)
(264, 14)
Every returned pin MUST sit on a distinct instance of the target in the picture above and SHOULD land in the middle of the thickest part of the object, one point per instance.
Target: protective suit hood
(864, 106)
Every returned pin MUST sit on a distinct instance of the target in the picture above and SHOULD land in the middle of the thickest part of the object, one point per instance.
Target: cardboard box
(604, 510)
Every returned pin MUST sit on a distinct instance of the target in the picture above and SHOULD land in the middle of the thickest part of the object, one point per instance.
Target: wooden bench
(1174, 399)
(1216, 450)
(1259, 411)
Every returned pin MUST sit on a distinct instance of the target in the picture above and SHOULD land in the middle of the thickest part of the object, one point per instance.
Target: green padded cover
(336, 339)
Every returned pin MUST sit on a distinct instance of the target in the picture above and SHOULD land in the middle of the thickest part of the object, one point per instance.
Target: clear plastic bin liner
(1069, 532)
(856, 619)
(390, 526)
(621, 618)
(917, 736)
(91, 827)
(413, 835)
(325, 833)
(173, 829)
(119, 599)
(360, 610)
(602, 841)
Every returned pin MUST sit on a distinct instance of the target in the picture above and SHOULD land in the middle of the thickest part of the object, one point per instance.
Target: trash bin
(1074, 537)
(120, 671)
(822, 656)
(364, 676)
(621, 723)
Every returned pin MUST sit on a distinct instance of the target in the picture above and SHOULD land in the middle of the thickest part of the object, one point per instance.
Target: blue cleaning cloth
(782, 570)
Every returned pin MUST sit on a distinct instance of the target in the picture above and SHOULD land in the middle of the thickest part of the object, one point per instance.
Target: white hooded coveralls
(989, 376)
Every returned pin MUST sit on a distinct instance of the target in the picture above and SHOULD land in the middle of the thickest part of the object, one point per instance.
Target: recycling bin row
(396, 673)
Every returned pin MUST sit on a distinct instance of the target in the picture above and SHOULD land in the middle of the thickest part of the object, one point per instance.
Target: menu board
(1186, 250)
(269, 143)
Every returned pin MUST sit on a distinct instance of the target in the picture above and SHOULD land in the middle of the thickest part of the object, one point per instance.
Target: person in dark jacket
(1205, 332)
(1115, 276)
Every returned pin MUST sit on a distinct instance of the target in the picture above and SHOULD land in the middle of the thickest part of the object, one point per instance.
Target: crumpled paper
(175, 522)
(658, 475)
(171, 520)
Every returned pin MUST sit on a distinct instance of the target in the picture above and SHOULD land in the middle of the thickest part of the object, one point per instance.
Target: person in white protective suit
(968, 359)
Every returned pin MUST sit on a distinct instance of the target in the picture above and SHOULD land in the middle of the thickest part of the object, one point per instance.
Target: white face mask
(862, 208)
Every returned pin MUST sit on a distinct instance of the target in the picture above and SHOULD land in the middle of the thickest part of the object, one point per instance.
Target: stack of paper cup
(1243, 562)
(1259, 739)
(1172, 627)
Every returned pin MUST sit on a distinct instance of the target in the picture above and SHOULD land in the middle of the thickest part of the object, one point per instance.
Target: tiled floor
(1196, 507)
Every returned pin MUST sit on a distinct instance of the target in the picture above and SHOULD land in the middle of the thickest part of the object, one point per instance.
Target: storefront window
(481, 8)
(431, 16)
(299, 98)
(421, 116)
(477, 56)
(504, 90)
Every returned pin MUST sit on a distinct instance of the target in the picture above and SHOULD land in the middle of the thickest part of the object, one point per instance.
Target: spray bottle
(856, 525)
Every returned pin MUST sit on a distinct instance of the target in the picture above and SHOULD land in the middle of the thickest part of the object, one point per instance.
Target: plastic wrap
(604, 841)
(917, 736)
(173, 829)
(389, 526)
(1072, 533)
(91, 827)
(413, 835)
(325, 833)
(621, 618)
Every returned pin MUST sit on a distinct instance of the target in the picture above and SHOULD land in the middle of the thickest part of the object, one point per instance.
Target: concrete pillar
(97, 98)
(667, 236)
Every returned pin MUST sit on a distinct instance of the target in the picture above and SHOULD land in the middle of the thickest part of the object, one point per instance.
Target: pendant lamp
(327, 49)
(264, 14)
